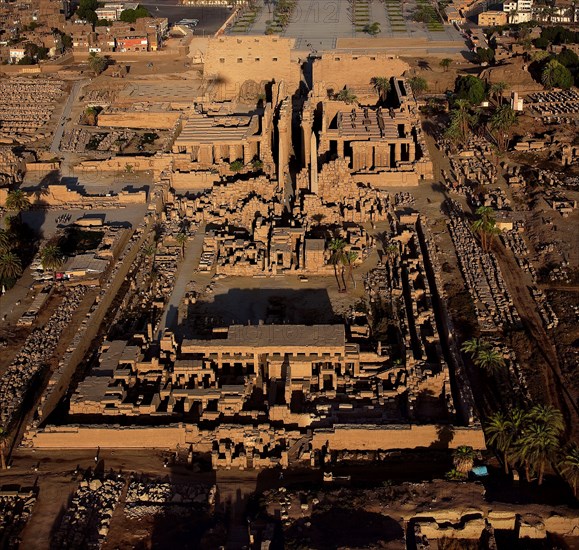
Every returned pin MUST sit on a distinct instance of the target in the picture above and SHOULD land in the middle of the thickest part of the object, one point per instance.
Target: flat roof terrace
(369, 124)
(225, 129)
(279, 337)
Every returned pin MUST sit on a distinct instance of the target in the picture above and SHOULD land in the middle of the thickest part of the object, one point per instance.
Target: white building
(518, 11)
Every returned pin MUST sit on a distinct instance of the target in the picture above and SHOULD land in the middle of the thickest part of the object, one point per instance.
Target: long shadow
(345, 528)
(309, 306)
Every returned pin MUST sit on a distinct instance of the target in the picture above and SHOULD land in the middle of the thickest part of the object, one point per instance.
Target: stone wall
(157, 164)
(336, 70)
(240, 65)
(159, 120)
(341, 438)
(117, 437)
(373, 438)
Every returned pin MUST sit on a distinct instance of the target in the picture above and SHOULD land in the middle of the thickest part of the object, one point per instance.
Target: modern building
(492, 18)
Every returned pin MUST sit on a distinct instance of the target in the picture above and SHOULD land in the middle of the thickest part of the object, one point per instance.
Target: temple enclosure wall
(368, 438)
(116, 437)
(336, 70)
(161, 120)
(157, 164)
(374, 438)
(238, 65)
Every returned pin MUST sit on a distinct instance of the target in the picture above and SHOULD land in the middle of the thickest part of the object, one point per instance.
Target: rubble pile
(81, 140)
(483, 277)
(34, 355)
(554, 103)
(548, 316)
(470, 166)
(513, 240)
(152, 497)
(15, 510)
(26, 105)
(86, 521)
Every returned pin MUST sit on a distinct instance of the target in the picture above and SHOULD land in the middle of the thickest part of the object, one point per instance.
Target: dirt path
(556, 391)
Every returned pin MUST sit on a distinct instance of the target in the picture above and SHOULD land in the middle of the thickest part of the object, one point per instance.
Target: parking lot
(210, 17)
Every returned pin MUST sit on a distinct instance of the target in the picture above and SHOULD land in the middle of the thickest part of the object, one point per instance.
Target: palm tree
(569, 465)
(51, 258)
(485, 226)
(474, 346)
(445, 63)
(548, 415)
(497, 90)
(347, 96)
(5, 241)
(381, 85)
(537, 446)
(17, 201)
(181, 239)
(348, 258)
(418, 85)
(463, 117)
(499, 432)
(337, 246)
(463, 459)
(501, 123)
(10, 266)
(391, 251)
(490, 360)
(3, 445)
(96, 63)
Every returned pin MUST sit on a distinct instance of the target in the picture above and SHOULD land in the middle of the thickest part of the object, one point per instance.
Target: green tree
(91, 114)
(548, 415)
(10, 267)
(18, 202)
(391, 251)
(485, 227)
(418, 85)
(5, 241)
(569, 465)
(130, 15)
(347, 96)
(490, 360)
(474, 346)
(337, 246)
(568, 58)
(236, 166)
(348, 259)
(96, 63)
(462, 120)
(555, 75)
(497, 90)
(537, 446)
(373, 29)
(470, 88)
(445, 63)
(463, 459)
(26, 60)
(485, 55)
(51, 258)
(501, 123)
(500, 434)
(382, 86)
(181, 239)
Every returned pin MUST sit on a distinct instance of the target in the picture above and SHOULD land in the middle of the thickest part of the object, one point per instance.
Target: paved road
(58, 133)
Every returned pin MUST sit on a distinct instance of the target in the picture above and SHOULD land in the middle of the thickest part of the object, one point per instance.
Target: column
(411, 151)
(313, 163)
(397, 151)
